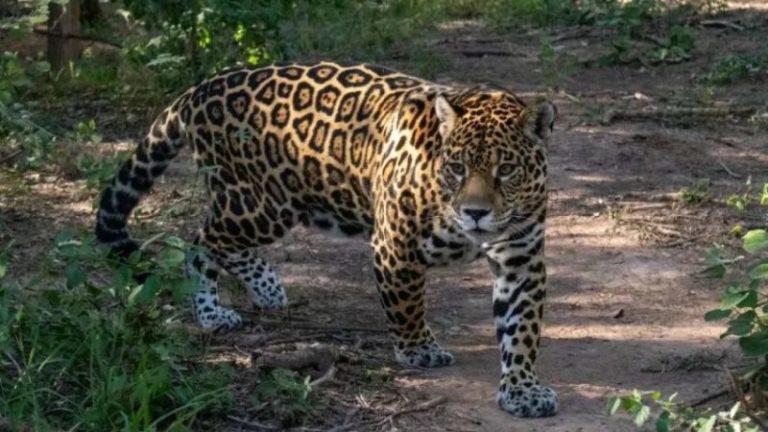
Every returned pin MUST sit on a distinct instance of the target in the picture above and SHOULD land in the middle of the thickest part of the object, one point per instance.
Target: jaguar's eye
(457, 169)
(505, 169)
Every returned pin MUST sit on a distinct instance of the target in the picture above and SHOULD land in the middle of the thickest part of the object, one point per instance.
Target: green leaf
(75, 275)
(662, 423)
(759, 270)
(145, 292)
(750, 301)
(754, 345)
(743, 324)
(716, 314)
(172, 257)
(756, 240)
(732, 298)
(707, 425)
(642, 415)
(614, 403)
(134, 258)
(175, 242)
(716, 271)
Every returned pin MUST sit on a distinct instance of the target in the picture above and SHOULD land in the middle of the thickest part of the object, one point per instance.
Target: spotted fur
(432, 175)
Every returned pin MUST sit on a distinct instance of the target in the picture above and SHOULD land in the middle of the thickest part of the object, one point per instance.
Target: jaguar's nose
(476, 213)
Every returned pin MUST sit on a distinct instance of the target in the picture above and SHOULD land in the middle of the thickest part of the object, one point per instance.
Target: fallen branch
(575, 34)
(478, 41)
(488, 53)
(721, 24)
(316, 357)
(617, 114)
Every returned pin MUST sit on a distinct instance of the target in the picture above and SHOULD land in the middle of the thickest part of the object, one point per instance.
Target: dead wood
(316, 358)
(487, 53)
(721, 24)
(612, 114)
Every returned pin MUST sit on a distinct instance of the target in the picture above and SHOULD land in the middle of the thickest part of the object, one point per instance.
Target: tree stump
(63, 33)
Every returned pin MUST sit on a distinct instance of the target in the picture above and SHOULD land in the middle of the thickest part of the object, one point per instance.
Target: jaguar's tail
(136, 176)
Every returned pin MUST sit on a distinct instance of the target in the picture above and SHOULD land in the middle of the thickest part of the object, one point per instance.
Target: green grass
(79, 352)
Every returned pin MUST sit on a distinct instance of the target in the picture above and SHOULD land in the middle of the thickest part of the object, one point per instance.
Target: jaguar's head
(494, 164)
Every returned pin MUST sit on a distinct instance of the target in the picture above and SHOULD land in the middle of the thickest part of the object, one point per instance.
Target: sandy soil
(625, 303)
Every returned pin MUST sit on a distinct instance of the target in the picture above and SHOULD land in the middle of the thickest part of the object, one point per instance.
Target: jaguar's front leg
(518, 296)
(400, 281)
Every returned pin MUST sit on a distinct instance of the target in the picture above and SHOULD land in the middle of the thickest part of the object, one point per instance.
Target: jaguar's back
(285, 143)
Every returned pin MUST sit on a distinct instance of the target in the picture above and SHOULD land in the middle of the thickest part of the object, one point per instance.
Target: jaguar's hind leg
(257, 276)
(206, 305)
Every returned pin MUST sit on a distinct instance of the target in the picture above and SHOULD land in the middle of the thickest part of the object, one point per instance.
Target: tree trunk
(90, 12)
(63, 30)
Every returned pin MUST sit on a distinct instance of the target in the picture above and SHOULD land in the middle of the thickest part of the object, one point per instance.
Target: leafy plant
(97, 355)
(677, 46)
(744, 304)
(747, 197)
(675, 416)
(696, 193)
(285, 396)
(738, 67)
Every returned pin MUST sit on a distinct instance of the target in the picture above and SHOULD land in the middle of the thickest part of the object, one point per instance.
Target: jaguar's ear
(544, 121)
(447, 114)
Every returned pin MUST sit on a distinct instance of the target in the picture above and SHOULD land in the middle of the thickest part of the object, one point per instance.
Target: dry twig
(253, 424)
(327, 376)
(728, 170)
(420, 407)
(710, 397)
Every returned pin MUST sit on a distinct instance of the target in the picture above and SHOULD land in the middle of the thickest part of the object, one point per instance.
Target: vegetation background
(663, 153)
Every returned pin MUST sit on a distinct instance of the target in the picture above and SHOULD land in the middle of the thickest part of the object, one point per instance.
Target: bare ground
(625, 301)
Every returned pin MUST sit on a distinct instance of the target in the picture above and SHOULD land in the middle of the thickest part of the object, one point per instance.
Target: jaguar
(431, 174)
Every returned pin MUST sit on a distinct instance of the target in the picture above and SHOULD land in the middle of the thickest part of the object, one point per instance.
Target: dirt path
(624, 304)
